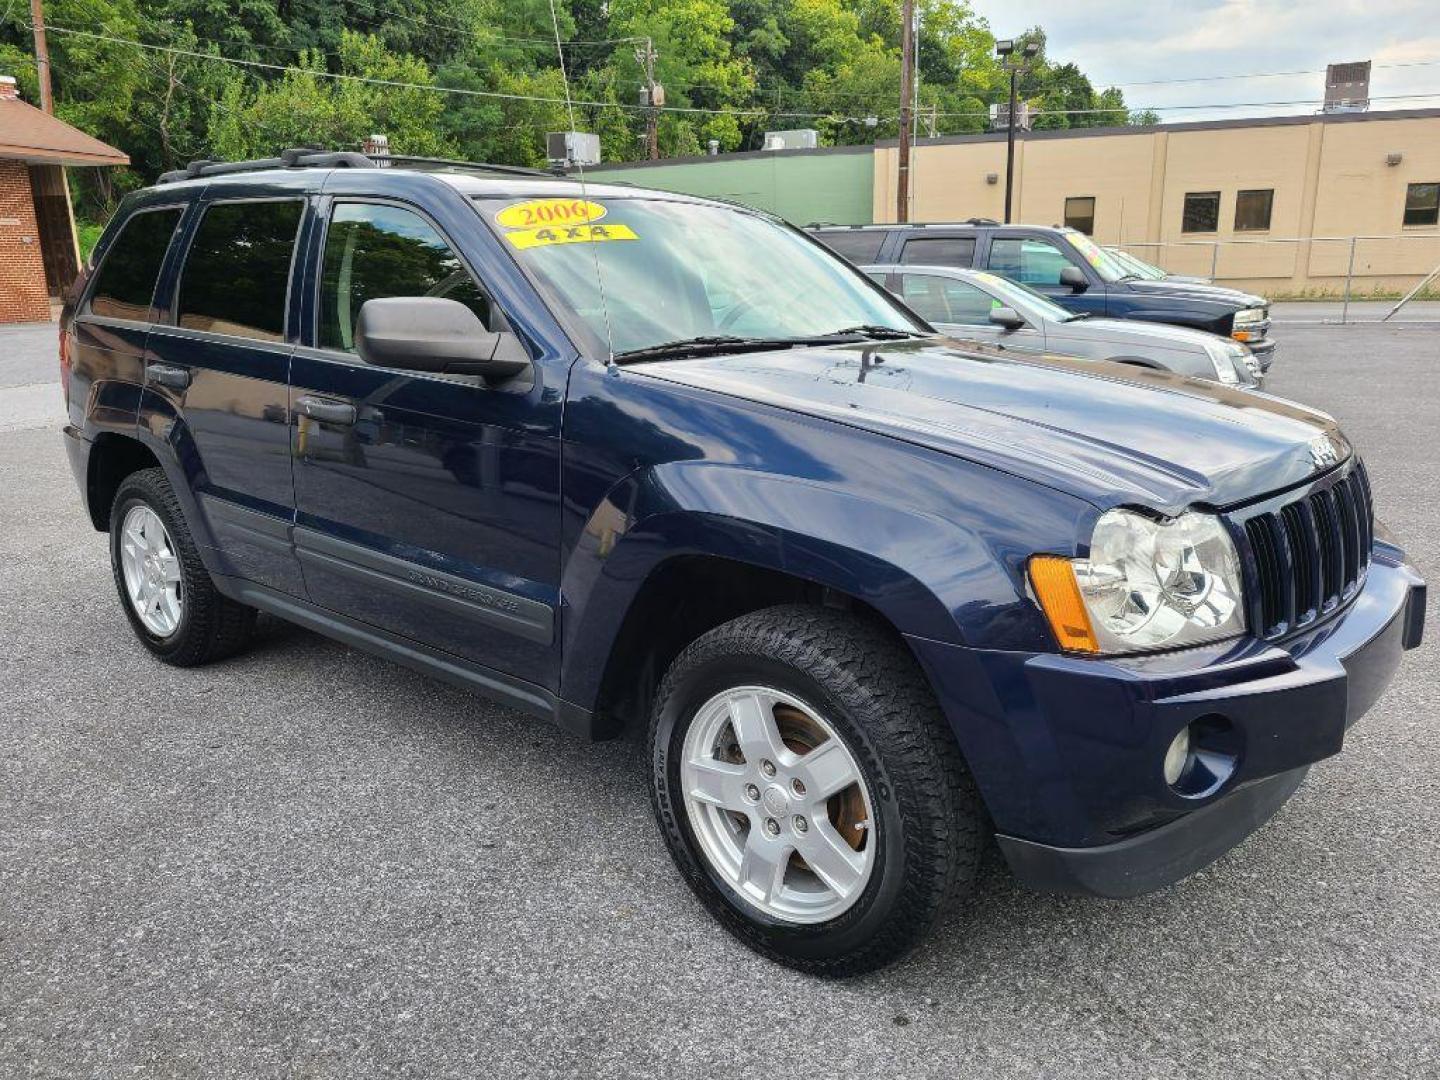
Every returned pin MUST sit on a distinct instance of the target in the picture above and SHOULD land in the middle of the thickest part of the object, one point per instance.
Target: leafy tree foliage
(482, 79)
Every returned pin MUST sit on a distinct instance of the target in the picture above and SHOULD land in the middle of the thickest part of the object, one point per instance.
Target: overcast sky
(1128, 42)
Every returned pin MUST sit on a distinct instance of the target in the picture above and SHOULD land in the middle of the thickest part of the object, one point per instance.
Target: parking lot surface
(305, 862)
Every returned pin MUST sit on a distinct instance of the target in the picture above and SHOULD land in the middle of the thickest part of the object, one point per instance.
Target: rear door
(428, 504)
(928, 249)
(218, 361)
(1036, 260)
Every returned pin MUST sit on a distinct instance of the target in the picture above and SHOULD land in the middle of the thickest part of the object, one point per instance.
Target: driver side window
(1029, 261)
(374, 251)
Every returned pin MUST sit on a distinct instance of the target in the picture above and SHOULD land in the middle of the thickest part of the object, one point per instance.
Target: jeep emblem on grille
(1324, 452)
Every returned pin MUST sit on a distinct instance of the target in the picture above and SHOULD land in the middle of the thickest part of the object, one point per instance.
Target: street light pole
(1010, 142)
(1006, 51)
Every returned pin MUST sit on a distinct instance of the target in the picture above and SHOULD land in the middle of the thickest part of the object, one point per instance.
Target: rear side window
(125, 283)
(860, 246)
(939, 251)
(237, 272)
(373, 252)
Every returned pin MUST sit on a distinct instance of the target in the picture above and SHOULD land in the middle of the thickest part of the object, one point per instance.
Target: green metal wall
(800, 186)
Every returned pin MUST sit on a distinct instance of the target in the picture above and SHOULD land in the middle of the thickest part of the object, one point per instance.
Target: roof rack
(309, 158)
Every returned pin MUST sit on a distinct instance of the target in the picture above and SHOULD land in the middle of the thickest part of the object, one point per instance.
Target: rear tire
(175, 611)
(843, 678)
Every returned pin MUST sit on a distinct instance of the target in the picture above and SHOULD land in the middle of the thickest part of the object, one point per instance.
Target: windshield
(1106, 265)
(671, 271)
(1137, 265)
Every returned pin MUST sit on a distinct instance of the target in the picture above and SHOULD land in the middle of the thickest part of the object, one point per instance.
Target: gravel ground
(307, 863)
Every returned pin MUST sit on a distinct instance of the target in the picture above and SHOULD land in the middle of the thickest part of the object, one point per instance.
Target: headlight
(1147, 585)
(1223, 363)
(1249, 316)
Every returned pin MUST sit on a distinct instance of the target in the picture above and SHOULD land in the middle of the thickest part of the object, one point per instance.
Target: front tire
(810, 791)
(173, 606)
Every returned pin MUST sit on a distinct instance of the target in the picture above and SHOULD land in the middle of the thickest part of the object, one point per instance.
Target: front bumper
(1072, 772)
(1264, 353)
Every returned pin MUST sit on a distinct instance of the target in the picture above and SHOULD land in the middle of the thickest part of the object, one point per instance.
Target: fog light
(1177, 757)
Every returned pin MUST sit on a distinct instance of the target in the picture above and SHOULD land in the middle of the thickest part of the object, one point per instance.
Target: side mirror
(429, 333)
(1074, 277)
(1007, 317)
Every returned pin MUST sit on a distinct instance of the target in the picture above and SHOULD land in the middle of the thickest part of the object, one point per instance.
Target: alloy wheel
(151, 569)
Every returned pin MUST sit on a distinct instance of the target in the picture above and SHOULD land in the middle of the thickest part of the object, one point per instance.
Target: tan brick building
(38, 253)
(1271, 203)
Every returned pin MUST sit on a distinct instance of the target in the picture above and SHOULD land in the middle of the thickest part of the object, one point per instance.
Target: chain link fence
(1398, 268)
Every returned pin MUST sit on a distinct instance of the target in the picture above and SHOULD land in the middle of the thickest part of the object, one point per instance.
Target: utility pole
(42, 55)
(907, 88)
(652, 96)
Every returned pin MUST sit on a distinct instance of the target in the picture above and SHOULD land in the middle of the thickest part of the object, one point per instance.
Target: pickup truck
(623, 459)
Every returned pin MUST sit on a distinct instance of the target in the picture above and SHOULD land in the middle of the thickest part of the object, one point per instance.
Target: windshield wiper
(700, 346)
(873, 331)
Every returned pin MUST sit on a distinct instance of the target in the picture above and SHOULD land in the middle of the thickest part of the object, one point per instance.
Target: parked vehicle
(1065, 265)
(1149, 271)
(980, 306)
(614, 456)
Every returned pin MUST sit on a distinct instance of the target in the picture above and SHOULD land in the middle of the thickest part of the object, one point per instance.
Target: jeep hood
(1108, 433)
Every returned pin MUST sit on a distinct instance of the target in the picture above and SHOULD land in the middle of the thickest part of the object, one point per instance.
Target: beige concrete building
(1269, 204)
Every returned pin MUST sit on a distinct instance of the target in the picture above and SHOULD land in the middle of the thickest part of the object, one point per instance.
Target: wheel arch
(113, 456)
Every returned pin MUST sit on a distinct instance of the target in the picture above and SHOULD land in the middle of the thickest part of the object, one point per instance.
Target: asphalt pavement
(308, 863)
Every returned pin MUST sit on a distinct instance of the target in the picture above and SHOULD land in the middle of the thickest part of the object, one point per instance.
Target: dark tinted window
(939, 251)
(126, 280)
(1422, 204)
(860, 246)
(1080, 213)
(238, 269)
(1252, 210)
(1202, 212)
(373, 252)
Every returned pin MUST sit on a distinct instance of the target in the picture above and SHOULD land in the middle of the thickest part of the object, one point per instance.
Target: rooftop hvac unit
(1347, 87)
(566, 148)
(797, 139)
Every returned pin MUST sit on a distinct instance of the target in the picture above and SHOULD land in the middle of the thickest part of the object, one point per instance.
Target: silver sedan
(974, 305)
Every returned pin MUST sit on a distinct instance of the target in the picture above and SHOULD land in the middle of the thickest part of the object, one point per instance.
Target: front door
(962, 310)
(219, 358)
(1037, 261)
(428, 504)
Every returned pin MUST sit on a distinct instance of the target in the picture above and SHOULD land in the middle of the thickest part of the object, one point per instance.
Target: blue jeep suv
(620, 457)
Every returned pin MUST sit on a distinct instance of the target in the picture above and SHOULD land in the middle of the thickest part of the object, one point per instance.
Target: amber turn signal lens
(1059, 596)
(1241, 335)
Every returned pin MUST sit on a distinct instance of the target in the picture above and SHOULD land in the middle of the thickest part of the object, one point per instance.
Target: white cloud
(1129, 42)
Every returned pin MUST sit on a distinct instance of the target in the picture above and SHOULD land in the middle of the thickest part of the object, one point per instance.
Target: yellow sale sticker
(538, 212)
(569, 234)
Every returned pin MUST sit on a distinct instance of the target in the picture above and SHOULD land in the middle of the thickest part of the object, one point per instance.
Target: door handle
(177, 378)
(327, 412)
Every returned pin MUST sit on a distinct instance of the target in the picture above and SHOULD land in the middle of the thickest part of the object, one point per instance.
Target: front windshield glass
(670, 271)
(1106, 265)
(1137, 265)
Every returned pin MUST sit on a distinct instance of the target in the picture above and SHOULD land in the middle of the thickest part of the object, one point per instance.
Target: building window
(1202, 212)
(1080, 213)
(1422, 204)
(1252, 210)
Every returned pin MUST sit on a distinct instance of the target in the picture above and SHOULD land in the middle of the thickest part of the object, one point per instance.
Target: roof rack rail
(295, 158)
(980, 221)
(303, 157)
(477, 166)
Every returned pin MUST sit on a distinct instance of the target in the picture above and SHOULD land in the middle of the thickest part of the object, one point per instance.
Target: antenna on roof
(584, 195)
